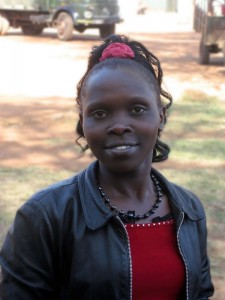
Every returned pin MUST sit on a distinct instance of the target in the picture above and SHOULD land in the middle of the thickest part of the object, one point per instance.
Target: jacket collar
(95, 212)
(97, 215)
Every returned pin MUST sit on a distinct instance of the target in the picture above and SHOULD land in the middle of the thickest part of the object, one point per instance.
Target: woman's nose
(120, 127)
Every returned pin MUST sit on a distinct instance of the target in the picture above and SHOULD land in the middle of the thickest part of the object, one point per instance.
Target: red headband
(117, 50)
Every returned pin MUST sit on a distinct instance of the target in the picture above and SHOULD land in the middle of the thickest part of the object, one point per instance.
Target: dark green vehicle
(35, 15)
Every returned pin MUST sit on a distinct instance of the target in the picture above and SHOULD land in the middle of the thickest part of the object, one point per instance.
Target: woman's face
(121, 118)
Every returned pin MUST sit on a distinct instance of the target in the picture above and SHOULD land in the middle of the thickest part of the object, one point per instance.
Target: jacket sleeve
(27, 256)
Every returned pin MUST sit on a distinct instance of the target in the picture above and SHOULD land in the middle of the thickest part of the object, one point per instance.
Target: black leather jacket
(66, 245)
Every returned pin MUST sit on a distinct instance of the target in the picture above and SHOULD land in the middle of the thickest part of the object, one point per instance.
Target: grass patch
(197, 114)
(198, 148)
(195, 130)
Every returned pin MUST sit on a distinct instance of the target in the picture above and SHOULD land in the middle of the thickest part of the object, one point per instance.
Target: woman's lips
(122, 148)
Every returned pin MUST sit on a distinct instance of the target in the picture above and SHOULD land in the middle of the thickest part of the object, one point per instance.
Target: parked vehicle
(209, 20)
(35, 15)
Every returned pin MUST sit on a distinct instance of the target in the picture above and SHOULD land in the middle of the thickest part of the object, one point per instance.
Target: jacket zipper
(185, 264)
(129, 250)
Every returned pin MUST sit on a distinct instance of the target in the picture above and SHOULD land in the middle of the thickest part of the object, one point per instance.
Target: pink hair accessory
(117, 50)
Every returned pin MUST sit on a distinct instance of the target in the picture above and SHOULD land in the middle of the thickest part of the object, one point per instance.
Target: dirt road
(38, 77)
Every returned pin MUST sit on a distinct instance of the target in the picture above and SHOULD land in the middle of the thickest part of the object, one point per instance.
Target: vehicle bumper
(98, 21)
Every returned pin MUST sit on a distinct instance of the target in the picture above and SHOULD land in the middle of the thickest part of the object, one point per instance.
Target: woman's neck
(127, 185)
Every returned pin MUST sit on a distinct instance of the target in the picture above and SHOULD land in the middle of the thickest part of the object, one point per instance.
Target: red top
(157, 267)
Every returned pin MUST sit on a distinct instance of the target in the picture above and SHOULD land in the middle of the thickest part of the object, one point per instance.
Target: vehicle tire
(106, 30)
(32, 29)
(4, 24)
(203, 54)
(65, 26)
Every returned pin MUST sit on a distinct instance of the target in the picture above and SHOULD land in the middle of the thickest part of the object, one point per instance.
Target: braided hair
(143, 59)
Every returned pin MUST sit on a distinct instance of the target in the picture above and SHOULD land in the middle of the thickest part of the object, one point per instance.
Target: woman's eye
(100, 114)
(137, 110)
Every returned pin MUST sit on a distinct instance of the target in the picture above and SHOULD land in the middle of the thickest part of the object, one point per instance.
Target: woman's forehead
(119, 78)
(123, 72)
(118, 86)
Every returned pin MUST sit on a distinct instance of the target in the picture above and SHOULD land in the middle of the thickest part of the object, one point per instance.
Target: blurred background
(38, 77)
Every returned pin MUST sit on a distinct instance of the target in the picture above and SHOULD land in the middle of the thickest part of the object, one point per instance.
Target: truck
(209, 21)
(33, 16)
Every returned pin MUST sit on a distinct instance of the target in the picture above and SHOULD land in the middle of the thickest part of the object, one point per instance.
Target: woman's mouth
(123, 147)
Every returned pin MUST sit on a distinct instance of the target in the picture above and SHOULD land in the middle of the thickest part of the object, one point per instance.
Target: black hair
(149, 64)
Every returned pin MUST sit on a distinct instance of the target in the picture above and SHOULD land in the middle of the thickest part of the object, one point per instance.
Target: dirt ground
(38, 77)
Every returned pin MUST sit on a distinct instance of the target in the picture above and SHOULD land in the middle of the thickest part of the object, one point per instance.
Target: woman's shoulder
(52, 200)
(61, 195)
(66, 186)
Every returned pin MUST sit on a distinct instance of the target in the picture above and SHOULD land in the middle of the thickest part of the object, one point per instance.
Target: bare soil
(38, 77)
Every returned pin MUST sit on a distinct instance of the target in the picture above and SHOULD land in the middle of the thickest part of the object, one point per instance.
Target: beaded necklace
(130, 216)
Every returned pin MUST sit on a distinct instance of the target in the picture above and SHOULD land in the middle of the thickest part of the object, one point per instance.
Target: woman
(119, 229)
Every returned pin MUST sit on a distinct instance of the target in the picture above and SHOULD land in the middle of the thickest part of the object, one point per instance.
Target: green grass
(195, 149)
(196, 135)
(197, 114)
